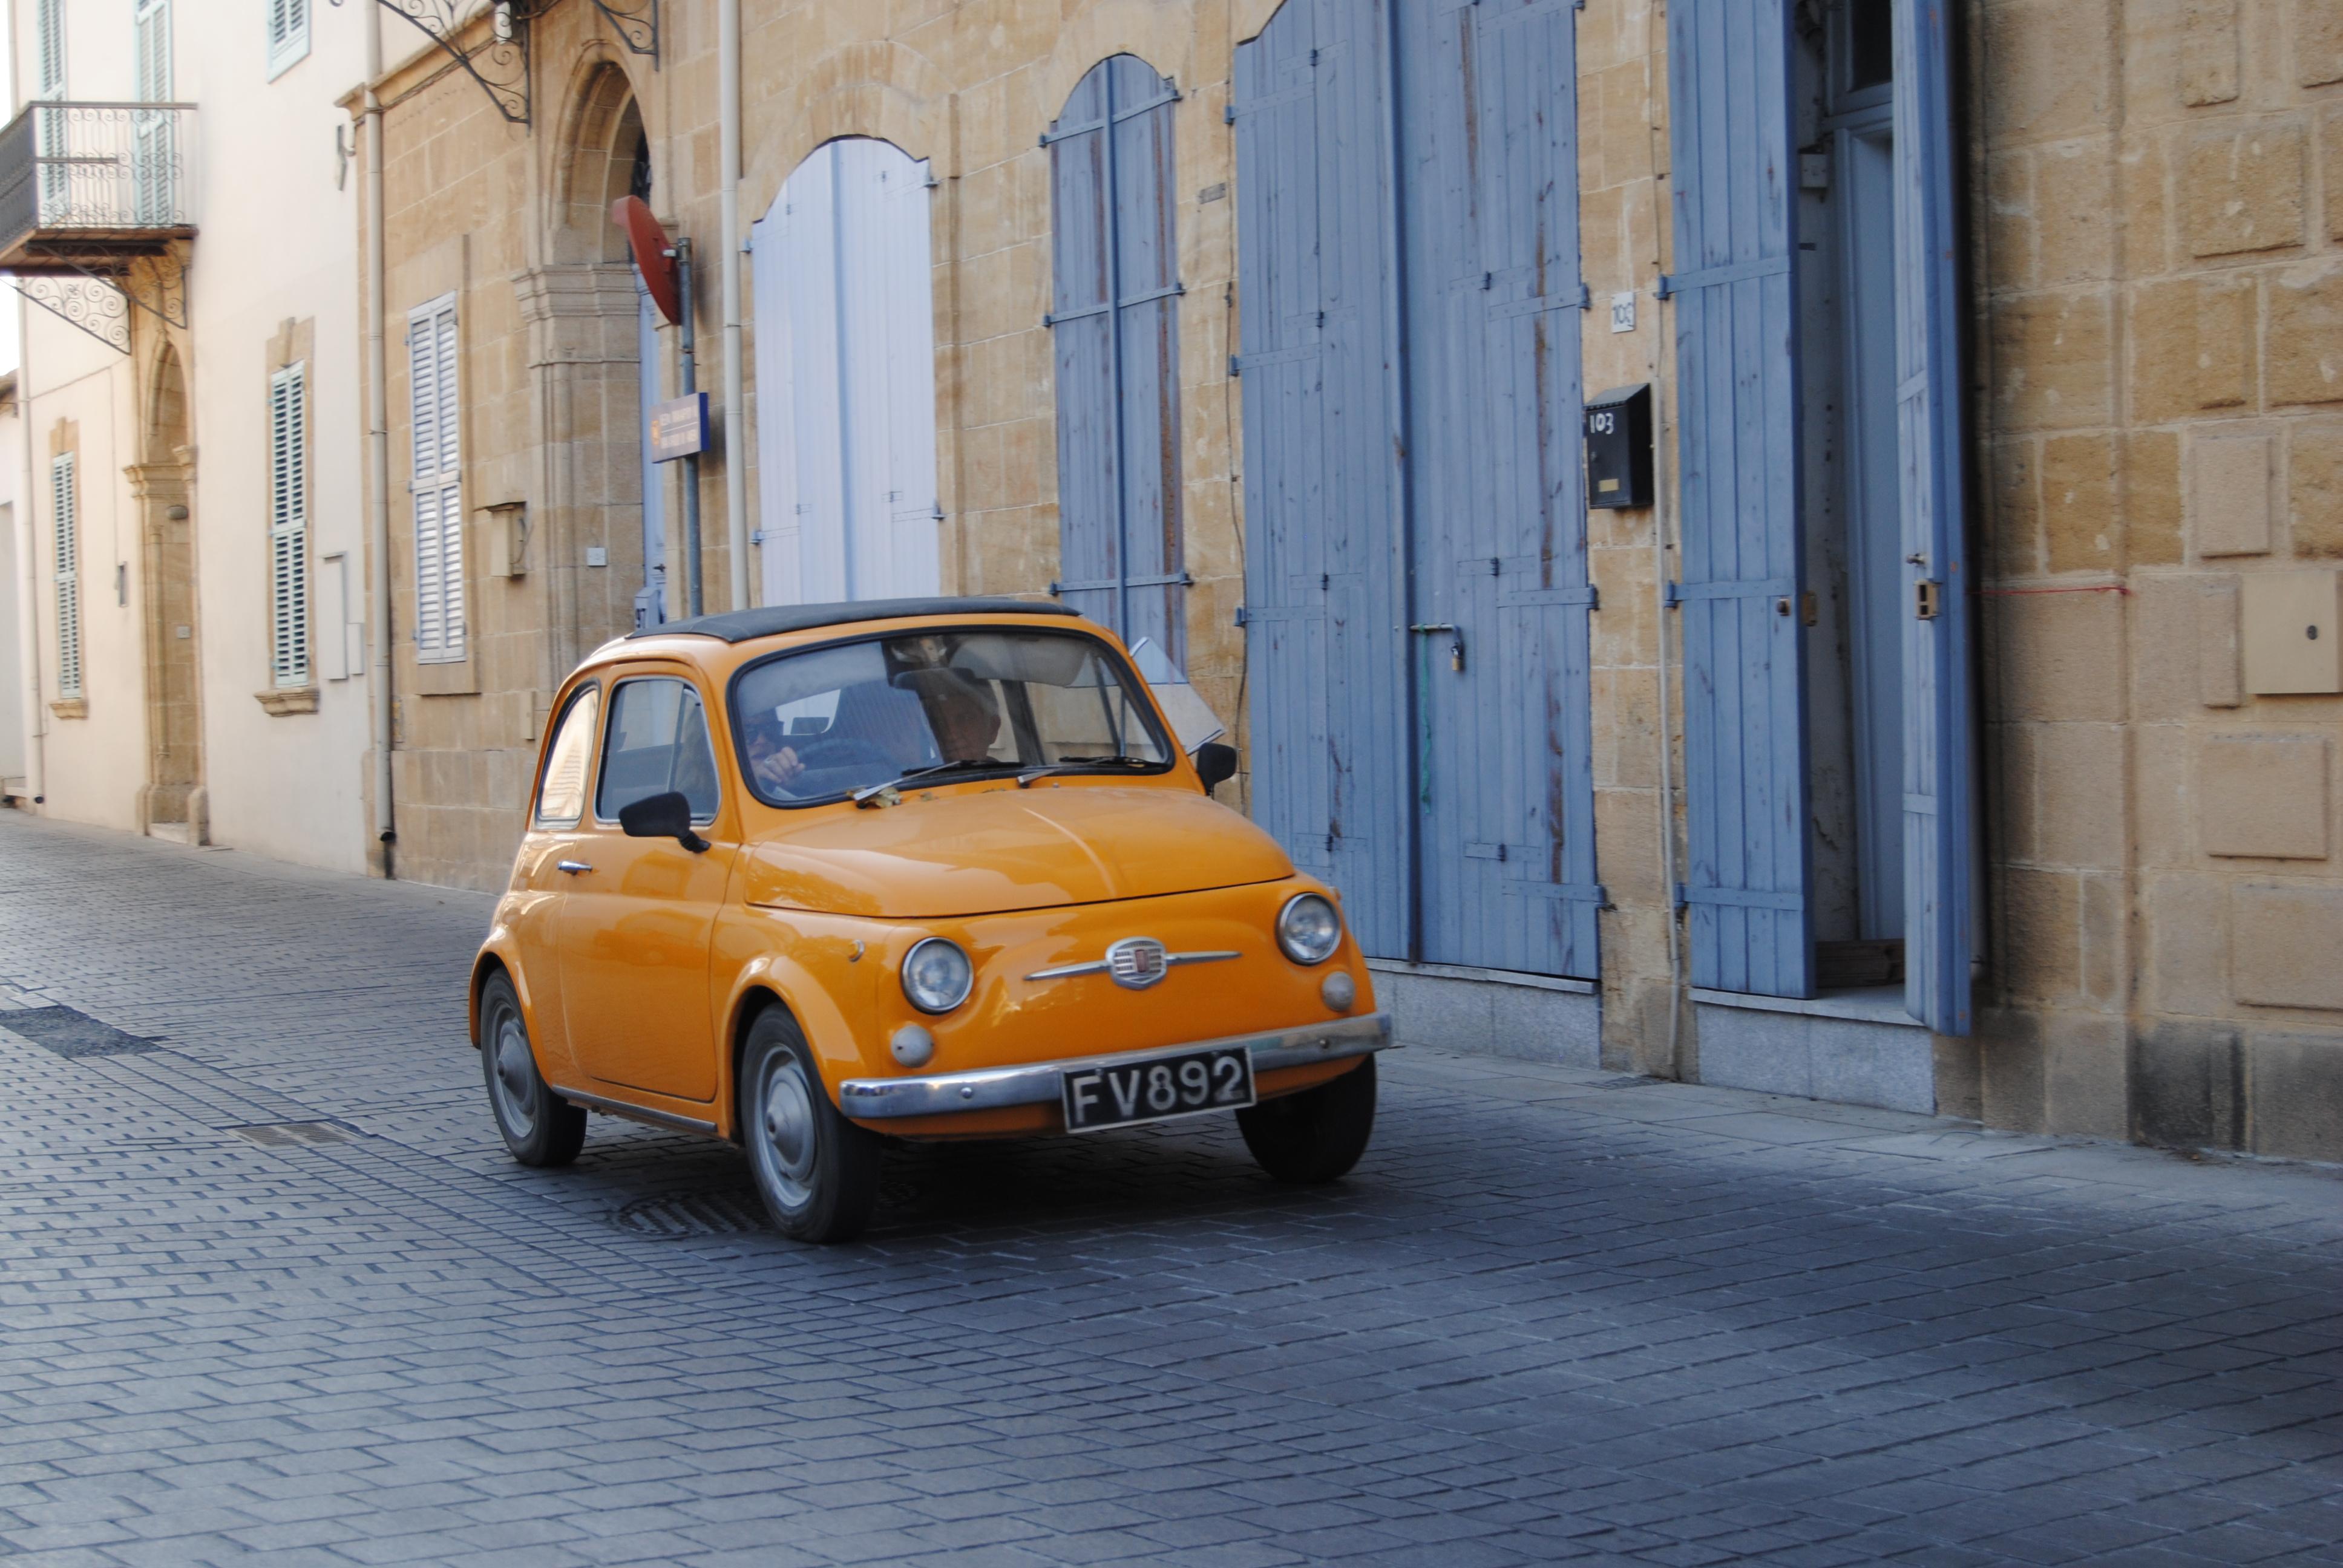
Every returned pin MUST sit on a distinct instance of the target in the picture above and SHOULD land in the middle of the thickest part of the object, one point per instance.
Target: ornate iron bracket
(167, 272)
(100, 310)
(637, 29)
(499, 64)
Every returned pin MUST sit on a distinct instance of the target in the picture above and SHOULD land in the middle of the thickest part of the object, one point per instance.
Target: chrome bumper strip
(1036, 1083)
(667, 1119)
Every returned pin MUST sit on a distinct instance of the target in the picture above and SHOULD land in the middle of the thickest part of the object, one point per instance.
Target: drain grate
(73, 1034)
(291, 1134)
(692, 1214)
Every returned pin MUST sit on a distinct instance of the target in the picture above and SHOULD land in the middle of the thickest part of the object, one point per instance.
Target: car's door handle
(572, 867)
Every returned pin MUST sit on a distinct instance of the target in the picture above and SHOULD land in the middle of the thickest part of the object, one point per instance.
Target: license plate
(1186, 1083)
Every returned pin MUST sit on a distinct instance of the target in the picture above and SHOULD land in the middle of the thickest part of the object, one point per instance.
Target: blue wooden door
(1749, 876)
(1937, 761)
(1408, 263)
(1488, 187)
(1114, 327)
(1324, 584)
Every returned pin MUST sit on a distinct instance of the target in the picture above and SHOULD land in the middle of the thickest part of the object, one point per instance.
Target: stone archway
(579, 307)
(172, 803)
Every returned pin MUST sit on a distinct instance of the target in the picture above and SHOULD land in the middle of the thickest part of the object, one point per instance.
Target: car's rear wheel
(1317, 1134)
(539, 1127)
(817, 1171)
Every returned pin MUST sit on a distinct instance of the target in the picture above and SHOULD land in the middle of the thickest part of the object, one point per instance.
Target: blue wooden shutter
(1114, 317)
(1504, 794)
(1938, 765)
(1749, 876)
(1317, 280)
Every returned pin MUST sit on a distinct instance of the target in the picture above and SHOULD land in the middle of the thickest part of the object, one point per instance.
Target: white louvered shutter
(65, 505)
(288, 526)
(49, 30)
(438, 419)
(152, 164)
(289, 33)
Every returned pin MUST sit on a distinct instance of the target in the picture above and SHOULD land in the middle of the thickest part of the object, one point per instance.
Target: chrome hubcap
(786, 1146)
(515, 1076)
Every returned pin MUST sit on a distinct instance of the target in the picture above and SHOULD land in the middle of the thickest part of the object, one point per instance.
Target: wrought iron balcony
(84, 188)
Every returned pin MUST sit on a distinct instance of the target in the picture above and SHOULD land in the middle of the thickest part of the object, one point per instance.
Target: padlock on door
(1455, 640)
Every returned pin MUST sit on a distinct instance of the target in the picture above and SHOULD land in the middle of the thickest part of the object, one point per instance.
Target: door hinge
(1232, 364)
(1228, 114)
(1810, 611)
(1242, 616)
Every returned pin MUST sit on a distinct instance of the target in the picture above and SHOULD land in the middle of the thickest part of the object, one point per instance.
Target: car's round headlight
(937, 975)
(1308, 929)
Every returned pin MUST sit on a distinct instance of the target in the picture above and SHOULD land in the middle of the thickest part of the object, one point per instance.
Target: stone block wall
(2161, 342)
(511, 218)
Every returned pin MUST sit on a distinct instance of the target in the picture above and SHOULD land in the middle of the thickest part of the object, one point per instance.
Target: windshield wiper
(863, 798)
(1076, 764)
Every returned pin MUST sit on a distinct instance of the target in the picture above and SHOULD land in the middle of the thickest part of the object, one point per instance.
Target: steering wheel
(867, 761)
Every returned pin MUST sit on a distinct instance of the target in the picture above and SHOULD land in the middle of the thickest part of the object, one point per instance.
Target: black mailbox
(1619, 447)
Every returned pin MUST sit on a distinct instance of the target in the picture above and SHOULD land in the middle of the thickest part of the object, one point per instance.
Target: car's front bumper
(1036, 1083)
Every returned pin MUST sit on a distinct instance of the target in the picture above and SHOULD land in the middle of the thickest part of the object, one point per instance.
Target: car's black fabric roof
(771, 620)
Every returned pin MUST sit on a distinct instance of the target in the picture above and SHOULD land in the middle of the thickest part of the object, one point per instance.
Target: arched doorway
(174, 804)
(845, 379)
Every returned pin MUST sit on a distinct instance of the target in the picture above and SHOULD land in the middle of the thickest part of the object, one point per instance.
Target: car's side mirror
(1216, 764)
(666, 816)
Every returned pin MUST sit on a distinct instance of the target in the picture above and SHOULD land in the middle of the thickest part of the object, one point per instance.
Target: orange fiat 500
(812, 876)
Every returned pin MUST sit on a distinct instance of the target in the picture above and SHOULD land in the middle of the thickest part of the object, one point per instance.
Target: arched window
(845, 379)
(1114, 321)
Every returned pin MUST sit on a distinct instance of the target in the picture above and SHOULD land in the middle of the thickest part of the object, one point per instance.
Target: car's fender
(818, 968)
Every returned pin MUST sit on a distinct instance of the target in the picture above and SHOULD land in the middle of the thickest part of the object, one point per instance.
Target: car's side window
(657, 741)
(561, 797)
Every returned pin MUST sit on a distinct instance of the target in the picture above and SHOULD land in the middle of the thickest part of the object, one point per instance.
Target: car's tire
(1317, 1134)
(539, 1127)
(817, 1171)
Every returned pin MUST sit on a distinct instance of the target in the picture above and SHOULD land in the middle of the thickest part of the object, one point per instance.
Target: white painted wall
(277, 241)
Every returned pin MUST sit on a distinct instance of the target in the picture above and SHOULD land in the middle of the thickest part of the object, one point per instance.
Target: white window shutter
(64, 506)
(151, 25)
(289, 33)
(846, 381)
(436, 451)
(49, 29)
(288, 525)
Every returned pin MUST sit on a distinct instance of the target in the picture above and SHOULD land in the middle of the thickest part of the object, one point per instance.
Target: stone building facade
(2152, 466)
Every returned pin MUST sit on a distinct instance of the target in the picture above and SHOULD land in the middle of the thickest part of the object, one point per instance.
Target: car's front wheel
(1317, 1134)
(817, 1171)
(539, 1127)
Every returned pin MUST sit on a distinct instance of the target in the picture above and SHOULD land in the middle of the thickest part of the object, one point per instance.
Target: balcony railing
(91, 183)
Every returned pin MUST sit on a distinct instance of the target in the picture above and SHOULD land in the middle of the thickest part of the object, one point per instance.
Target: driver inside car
(958, 712)
(962, 712)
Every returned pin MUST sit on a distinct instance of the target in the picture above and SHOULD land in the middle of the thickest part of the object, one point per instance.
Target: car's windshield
(830, 722)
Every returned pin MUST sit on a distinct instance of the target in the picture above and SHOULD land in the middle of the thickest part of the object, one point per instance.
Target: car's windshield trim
(1114, 658)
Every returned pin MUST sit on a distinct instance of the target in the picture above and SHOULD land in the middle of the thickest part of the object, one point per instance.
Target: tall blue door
(1748, 882)
(1938, 764)
(1416, 585)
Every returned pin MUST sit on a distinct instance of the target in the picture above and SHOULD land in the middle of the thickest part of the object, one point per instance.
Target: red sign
(654, 256)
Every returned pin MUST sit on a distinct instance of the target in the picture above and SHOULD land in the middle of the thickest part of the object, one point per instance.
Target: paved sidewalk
(270, 1289)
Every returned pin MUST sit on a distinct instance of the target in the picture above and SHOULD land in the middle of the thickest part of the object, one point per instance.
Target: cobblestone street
(269, 1287)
